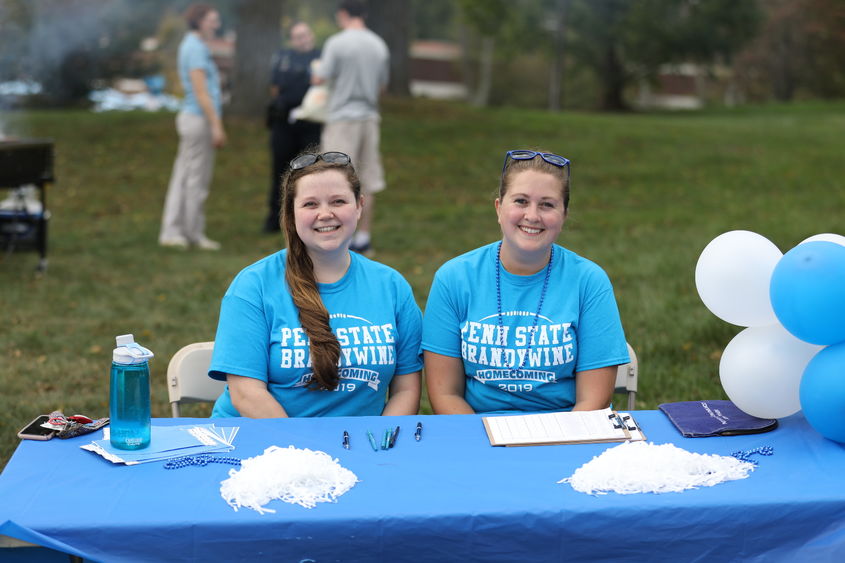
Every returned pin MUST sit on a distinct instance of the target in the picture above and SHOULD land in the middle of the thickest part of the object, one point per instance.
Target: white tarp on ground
(110, 99)
(19, 88)
(106, 99)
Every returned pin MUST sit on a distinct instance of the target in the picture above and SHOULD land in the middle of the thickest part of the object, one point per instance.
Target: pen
(616, 420)
(385, 443)
(372, 441)
(393, 438)
(346, 439)
(418, 433)
(634, 422)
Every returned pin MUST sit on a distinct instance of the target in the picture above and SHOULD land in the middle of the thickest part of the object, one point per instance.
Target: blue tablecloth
(449, 497)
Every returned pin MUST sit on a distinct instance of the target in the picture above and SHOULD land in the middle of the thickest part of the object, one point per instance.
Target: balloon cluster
(792, 355)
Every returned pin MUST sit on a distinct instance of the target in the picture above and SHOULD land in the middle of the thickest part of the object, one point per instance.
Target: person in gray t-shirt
(354, 65)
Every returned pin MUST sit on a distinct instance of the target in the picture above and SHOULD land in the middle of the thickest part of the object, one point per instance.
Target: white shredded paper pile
(302, 477)
(641, 467)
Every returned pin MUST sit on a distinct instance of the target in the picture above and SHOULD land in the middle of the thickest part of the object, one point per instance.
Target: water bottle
(129, 400)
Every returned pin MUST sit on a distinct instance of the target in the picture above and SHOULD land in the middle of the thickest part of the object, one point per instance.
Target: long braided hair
(302, 284)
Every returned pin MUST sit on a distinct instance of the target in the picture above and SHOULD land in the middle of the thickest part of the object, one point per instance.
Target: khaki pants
(184, 205)
(360, 140)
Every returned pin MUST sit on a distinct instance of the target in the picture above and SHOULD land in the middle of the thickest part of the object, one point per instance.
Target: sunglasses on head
(309, 158)
(553, 159)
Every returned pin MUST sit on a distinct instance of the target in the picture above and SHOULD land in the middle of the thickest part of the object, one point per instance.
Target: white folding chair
(626, 378)
(187, 377)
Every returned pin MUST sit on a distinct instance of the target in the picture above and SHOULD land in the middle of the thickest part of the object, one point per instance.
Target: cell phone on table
(34, 430)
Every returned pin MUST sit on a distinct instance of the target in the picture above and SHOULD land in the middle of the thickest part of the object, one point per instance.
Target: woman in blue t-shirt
(317, 330)
(523, 324)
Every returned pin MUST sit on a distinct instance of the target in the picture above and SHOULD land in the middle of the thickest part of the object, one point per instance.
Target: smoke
(63, 42)
(66, 45)
(12, 35)
(53, 47)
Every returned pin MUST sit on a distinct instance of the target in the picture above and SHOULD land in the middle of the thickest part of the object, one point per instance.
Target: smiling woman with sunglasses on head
(317, 330)
(523, 324)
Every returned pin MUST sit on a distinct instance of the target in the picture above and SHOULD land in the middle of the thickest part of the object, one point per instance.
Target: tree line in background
(545, 53)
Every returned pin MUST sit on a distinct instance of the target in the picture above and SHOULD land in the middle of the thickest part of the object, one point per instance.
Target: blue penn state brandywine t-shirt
(372, 312)
(578, 329)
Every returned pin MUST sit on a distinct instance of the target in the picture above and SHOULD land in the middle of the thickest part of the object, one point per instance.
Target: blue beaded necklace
(501, 335)
(201, 459)
(746, 455)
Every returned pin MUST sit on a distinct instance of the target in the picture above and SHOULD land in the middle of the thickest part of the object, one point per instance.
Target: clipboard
(553, 428)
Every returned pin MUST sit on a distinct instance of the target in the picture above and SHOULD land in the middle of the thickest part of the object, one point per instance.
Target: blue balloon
(822, 392)
(808, 292)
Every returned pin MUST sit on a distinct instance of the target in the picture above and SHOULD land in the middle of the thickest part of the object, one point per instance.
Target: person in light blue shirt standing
(200, 132)
(317, 330)
(523, 324)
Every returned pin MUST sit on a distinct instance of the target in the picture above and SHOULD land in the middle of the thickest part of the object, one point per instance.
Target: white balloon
(733, 275)
(829, 237)
(761, 370)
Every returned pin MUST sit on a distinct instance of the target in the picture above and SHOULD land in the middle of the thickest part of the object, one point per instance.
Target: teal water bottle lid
(129, 352)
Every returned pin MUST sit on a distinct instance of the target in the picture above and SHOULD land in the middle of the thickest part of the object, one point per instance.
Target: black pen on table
(418, 432)
(393, 436)
(346, 439)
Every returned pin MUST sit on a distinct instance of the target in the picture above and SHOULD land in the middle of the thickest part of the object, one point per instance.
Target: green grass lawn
(649, 192)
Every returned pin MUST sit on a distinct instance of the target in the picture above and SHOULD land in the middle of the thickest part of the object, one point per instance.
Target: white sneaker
(207, 244)
(174, 242)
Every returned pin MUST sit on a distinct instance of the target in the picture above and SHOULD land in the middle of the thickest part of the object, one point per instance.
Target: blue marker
(372, 441)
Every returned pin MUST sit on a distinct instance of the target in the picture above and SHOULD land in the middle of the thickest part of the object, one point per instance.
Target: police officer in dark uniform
(291, 78)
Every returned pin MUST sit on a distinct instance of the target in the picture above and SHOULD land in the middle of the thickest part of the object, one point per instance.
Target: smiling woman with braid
(317, 330)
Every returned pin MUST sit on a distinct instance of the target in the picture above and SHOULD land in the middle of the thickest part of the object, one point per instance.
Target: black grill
(25, 162)
(28, 161)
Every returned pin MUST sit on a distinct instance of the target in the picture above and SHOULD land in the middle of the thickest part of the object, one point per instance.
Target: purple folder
(697, 419)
